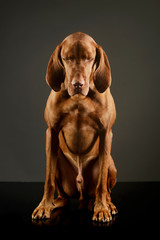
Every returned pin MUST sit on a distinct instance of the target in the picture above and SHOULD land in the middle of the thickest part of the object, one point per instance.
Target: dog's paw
(102, 213)
(113, 208)
(43, 211)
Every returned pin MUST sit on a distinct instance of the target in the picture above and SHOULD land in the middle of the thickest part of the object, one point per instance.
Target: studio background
(128, 31)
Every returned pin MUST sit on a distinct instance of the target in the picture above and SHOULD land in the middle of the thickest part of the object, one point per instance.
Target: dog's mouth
(78, 90)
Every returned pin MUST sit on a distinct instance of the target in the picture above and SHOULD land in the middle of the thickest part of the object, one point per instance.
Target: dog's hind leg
(111, 182)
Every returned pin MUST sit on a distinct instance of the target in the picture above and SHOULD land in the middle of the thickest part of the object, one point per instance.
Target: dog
(79, 113)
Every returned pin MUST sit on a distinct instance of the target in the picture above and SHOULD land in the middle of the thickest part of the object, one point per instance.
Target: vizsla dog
(80, 113)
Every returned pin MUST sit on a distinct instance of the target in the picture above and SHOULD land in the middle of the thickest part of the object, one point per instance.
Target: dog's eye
(89, 59)
(86, 58)
(68, 60)
(83, 57)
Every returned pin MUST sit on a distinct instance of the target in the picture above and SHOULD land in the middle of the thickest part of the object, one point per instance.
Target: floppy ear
(55, 71)
(102, 74)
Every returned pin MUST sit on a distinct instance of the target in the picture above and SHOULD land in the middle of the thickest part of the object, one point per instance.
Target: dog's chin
(78, 91)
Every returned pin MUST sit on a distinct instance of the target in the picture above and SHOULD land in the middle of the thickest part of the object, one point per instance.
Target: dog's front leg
(46, 206)
(101, 208)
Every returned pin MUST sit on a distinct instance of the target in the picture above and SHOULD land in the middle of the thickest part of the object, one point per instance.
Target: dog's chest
(78, 131)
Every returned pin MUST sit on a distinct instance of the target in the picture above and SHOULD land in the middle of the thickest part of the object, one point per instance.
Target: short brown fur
(80, 113)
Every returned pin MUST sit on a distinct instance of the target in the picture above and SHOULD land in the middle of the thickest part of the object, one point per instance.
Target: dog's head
(78, 62)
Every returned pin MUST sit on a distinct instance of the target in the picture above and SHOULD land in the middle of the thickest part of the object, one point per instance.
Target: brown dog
(80, 113)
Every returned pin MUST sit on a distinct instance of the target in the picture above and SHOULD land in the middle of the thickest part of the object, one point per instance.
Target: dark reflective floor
(137, 203)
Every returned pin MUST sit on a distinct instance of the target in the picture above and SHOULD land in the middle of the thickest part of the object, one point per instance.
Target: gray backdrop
(129, 33)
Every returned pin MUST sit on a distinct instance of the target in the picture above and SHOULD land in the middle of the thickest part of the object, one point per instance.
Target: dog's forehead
(79, 36)
(78, 41)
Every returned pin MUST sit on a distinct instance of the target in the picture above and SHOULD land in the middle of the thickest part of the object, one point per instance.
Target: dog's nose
(78, 81)
(78, 85)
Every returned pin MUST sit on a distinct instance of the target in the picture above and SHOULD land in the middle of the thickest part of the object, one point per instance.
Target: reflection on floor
(137, 204)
